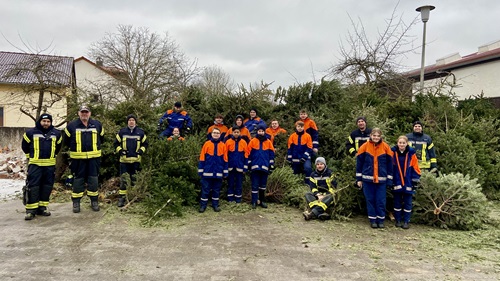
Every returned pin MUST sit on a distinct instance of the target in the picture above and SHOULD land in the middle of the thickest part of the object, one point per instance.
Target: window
(1, 116)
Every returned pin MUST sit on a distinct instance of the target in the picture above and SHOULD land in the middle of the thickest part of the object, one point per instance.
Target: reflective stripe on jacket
(236, 154)
(213, 160)
(260, 155)
(374, 163)
(41, 148)
(131, 141)
(424, 148)
(299, 146)
(84, 142)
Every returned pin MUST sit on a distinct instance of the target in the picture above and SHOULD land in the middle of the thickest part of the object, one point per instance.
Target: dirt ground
(235, 244)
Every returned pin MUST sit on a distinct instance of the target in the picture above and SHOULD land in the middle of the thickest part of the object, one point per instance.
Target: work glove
(123, 152)
(140, 152)
(69, 181)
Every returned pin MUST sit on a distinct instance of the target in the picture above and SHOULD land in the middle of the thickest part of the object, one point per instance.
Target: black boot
(29, 216)
(121, 202)
(202, 209)
(42, 211)
(262, 195)
(76, 205)
(94, 204)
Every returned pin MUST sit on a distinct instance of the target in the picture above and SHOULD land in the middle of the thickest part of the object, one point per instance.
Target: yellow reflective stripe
(76, 195)
(122, 192)
(102, 131)
(94, 140)
(36, 148)
(124, 142)
(84, 155)
(143, 149)
(351, 150)
(44, 203)
(431, 145)
(314, 190)
(118, 138)
(144, 139)
(43, 162)
(67, 132)
(78, 139)
(27, 155)
(32, 206)
(357, 145)
(138, 146)
(350, 140)
(322, 205)
(26, 138)
(124, 159)
(53, 148)
(433, 160)
(92, 193)
(60, 140)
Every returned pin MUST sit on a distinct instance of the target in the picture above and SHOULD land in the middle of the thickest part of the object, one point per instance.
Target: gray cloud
(251, 40)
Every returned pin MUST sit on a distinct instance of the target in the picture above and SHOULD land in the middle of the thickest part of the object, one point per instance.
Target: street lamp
(424, 13)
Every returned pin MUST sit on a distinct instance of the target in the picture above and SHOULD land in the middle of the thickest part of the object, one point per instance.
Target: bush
(450, 201)
(285, 187)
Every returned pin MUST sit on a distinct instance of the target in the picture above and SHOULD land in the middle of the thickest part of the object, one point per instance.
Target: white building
(465, 76)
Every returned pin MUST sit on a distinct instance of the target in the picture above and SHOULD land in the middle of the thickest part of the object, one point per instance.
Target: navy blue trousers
(234, 186)
(402, 206)
(375, 201)
(207, 185)
(259, 182)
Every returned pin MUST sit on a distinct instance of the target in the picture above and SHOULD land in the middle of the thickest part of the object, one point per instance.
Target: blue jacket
(406, 170)
(174, 119)
(134, 142)
(322, 182)
(84, 142)
(424, 148)
(41, 146)
(300, 146)
(260, 154)
(252, 124)
(374, 163)
(236, 154)
(213, 160)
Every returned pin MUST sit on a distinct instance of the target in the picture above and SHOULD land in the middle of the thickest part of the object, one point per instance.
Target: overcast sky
(270, 40)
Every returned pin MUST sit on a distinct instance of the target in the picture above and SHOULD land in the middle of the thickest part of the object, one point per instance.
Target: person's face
(84, 115)
(303, 115)
(239, 122)
(218, 120)
(253, 113)
(320, 166)
(417, 128)
(299, 128)
(45, 123)
(236, 133)
(176, 132)
(261, 132)
(275, 124)
(402, 144)
(215, 134)
(375, 137)
(177, 109)
(131, 122)
(361, 124)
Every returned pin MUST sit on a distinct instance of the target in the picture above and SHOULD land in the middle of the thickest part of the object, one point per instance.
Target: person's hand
(188, 130)
(359, 184)
(123, 152)
(315, 150)
(320, 197)
(140, 152)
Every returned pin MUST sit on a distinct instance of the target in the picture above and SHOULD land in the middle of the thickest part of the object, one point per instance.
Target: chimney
(98, 61)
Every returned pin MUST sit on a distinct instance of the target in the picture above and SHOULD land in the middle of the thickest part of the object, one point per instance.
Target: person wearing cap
(299, 152)
(244, 132)
(260, 155)
(358, 137)
(218, 123)
(252, 122)
(274, 130)
(175, 118)
(310, 128)
(424, 147)
(374, 170)
(237, 165)
(130, 144)
(84, 137)
(323, 187)
(212, 168)
(41, 145)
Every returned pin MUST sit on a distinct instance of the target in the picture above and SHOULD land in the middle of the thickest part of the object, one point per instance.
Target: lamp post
(424, 13)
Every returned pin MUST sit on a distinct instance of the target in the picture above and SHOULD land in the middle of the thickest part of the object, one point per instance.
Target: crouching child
(323, 187)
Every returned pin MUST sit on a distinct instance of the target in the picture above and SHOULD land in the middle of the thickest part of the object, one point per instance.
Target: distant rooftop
(20, 68)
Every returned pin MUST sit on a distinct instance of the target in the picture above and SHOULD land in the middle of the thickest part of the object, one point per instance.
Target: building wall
(13, 117)
(470, 81)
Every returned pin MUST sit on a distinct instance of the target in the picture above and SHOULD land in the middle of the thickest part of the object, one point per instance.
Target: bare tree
(44, 81)
(364, 61)
(214, 81)
(154, 67)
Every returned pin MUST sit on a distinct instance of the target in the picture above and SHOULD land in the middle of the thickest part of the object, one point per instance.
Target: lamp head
(425, 12)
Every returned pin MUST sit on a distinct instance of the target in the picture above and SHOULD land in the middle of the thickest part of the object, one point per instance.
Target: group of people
(228, 153)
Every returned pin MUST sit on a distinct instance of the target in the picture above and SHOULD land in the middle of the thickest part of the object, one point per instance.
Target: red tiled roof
(18, 68)
(474, 58)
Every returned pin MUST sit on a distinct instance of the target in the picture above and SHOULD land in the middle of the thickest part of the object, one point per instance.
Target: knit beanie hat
(360, 118)
(45, 116)
(261, 127)
(320, 160)
(131, 116)
(418, 122)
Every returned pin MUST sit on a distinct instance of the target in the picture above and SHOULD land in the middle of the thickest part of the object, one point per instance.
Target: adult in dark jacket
(358, 137)
(84, 137)
(323, 184)
(41, 145)
(424, 147)
(405, 179)
(130, 144)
